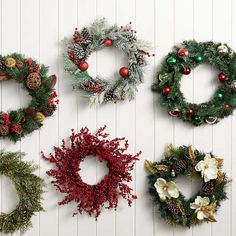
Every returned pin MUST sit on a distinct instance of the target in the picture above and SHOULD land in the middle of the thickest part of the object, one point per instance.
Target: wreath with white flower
(97, 36)
(173, 206)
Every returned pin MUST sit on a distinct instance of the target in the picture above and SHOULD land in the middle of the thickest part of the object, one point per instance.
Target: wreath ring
(173, 206)
(33, 77)
(181, 61)
(96, 37)
(92, 198)
(29, 188)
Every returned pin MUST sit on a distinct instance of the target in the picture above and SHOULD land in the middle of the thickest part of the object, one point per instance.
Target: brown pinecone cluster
(173, 207)
(4, 130)
(180, 166)
(2, 65)
(49, 110)
(208, 187)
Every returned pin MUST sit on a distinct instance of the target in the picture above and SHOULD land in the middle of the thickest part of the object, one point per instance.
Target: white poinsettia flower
(203, 208)
(208, 167)
(166, 189)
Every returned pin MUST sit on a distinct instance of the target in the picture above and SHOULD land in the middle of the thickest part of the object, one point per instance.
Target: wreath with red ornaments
(96, 37)
(33, 77)
(92, 198)
(181, 61)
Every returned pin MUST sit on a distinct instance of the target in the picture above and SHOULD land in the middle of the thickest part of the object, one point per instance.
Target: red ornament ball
(166, 90)
(186, 71)
(175, 112)
(222, 77)
(190, 112)
(124, 72)
(227, 106)
(83, 65)
(182, 52)
(107, 42)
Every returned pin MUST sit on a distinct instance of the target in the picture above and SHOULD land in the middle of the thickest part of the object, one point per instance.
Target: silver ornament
(175, 112)
(233, 85)
(223, 49)
(172, 173)
(211, 120)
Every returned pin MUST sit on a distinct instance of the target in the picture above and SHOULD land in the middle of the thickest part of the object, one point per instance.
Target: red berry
(83, 66)
(222, 77)
(182, 52)
(227, 106)
(186, 71)
(107, 42)
(166, 90)
(124, 72)
(190, 112)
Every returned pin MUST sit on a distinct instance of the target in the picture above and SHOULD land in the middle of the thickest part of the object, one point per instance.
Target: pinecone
(180, 166)
(2, 65)
(140, 59)
(33, 81)
(131, 37)
(86, 37)
(49, 110)
(78, 51)
(4, 130)
(173, 207)
(109, 97)
(207, 188)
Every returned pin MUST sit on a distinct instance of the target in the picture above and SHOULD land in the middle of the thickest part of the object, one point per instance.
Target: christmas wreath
(180, 62)
(173, 206)
(98, 36)
(91, 198)
(29, 188)
(33, 77)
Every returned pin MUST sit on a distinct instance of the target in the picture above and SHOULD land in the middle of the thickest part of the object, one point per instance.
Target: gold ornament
(211, 120)
(10, 62)
(223, 49)
(233, 85)
(39, 117)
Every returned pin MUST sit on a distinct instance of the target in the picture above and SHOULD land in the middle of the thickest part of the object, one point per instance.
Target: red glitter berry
(91, 198)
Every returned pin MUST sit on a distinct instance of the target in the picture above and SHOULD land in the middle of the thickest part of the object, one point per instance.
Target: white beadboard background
(36, 28)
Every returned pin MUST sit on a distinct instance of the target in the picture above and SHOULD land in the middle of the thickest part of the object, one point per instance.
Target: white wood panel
(36, 28)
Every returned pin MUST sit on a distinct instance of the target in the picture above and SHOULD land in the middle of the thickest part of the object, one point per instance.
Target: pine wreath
(174, 208)
(96, 37)
(92, 198)
(33, 77)
(181, 61)
(29, 188)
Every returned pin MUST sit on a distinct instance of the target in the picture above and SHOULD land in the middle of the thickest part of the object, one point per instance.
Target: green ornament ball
(198, 120)
(199, 58)
(219, 96)
(171, 61)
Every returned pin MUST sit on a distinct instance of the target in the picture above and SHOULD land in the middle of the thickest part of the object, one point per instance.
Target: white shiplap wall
(36, 28)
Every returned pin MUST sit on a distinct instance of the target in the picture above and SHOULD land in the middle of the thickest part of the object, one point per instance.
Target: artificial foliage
(181, 61)
(33, 77)
(95, 37)
(174, 208)
(29, 188)
(92, 198)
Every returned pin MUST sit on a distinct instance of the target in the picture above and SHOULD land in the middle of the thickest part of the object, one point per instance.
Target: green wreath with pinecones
(29, 188)
(173, 206)
(96, 37)
(33, 77)
(181, 61)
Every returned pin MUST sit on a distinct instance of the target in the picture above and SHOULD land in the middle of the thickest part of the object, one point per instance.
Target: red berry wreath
(91, 198)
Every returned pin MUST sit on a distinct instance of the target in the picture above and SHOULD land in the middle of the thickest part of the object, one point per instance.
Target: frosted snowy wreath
(98, 36)
(173, 206)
